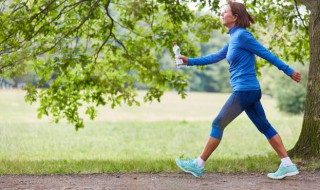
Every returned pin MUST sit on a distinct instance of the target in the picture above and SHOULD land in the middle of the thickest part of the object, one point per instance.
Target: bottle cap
(174, 43)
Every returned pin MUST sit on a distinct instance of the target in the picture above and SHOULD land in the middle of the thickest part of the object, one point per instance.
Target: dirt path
(306, 180)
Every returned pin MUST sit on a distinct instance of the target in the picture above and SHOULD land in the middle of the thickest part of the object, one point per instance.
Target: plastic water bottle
(176, 51)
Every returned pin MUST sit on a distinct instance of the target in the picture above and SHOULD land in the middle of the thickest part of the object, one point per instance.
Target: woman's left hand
(296, 76)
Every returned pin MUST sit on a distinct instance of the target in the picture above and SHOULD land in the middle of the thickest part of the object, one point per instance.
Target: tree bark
(308, 145)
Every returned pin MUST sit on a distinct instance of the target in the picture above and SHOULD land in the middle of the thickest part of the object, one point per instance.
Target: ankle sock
(200, 162)
(286, 162)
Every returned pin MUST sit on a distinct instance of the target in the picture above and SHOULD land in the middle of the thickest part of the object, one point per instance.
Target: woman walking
(240, 52)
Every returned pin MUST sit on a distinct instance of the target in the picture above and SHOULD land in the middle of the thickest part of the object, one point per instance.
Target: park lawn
(136, 139)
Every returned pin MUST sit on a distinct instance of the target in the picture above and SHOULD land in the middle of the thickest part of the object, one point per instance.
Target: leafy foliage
(285, 25)
(93, 51)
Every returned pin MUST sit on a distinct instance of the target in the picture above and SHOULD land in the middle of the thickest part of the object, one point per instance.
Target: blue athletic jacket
(240, 52)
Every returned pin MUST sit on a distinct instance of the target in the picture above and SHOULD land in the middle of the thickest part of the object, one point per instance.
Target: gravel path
(305, 180)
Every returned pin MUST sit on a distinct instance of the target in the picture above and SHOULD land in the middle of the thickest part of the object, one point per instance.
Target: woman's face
(227, 18)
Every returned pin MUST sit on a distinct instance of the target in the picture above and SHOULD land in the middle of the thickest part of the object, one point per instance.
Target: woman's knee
(216, 131)
(269, 132)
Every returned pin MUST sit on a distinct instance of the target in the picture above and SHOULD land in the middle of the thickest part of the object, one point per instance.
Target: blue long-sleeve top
(240, 52)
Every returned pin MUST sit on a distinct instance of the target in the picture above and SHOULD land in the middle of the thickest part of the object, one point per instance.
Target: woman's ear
(235, 17)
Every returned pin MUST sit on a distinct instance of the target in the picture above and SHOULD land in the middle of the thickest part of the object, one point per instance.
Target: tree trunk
(308, 145)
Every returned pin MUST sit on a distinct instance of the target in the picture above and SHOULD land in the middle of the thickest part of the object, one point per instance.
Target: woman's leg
(211, 145)
(258, 117)
(231, 109)
(277, 145)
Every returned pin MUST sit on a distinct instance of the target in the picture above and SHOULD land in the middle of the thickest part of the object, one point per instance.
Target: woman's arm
(205, 60)
(252, 45)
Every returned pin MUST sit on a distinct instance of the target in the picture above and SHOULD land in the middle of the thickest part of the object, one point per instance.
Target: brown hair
(239, 10)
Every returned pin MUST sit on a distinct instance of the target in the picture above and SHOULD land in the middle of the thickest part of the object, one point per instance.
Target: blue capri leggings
(248, 101)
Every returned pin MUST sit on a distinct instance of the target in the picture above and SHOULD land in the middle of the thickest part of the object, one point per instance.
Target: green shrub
(291, 96)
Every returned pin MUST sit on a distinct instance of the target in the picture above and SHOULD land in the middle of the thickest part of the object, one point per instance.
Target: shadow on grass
(251, 163)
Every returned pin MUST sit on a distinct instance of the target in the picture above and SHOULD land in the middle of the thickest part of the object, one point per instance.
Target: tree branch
(132, 31)
(110, 33)
(17, 7)
(43, 10)
(7, 38)
(296, 5)
(100, 48)
(84, 20)
(3, 6)
(112, 24)
(58, 16)
(11, 64)
(152, 20)
(10, 50)
(74, 29)
(122, 45)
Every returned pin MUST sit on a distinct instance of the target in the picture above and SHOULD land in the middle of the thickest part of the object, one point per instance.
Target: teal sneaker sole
(193, 173)
(284, 176)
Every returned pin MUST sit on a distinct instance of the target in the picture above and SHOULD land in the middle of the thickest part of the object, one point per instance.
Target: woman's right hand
(184, 59)
(296, 76)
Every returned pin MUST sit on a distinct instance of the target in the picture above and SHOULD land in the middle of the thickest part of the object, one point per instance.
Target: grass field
(136, 139)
